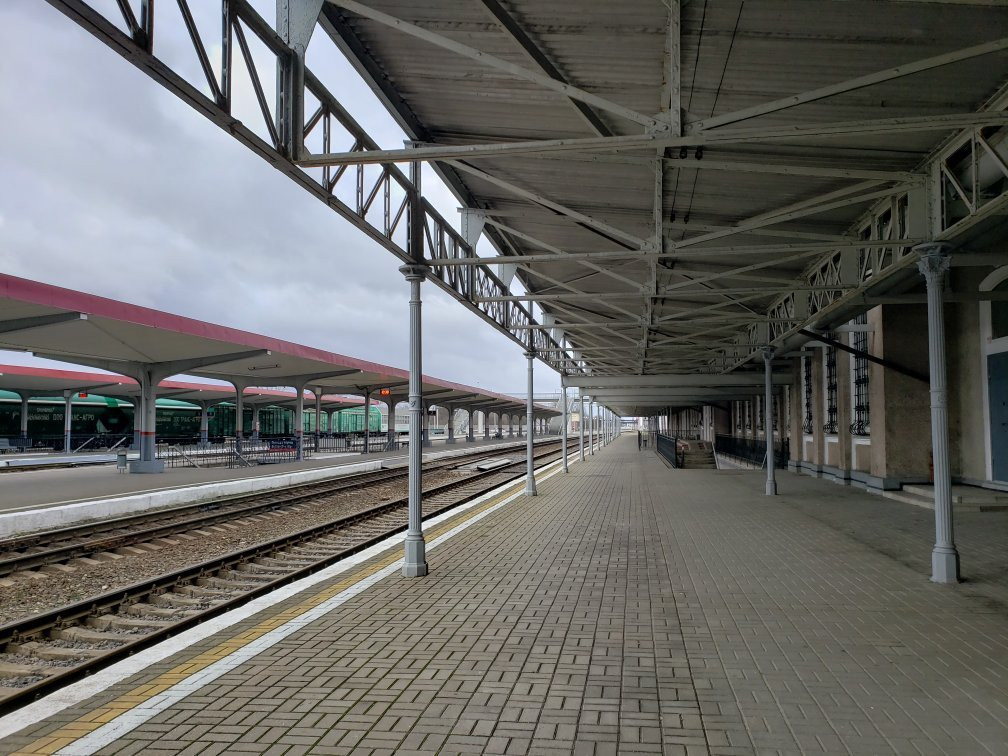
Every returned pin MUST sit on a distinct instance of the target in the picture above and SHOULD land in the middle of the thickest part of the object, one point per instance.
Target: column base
(944, 565)
(771, 488)
(146, 466)
(415, 563)
(530, 487)
(451, 441)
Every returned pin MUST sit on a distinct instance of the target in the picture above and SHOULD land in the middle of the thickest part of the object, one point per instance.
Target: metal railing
(226, 454)
(752, 450)
(668, 448)
(90, 442)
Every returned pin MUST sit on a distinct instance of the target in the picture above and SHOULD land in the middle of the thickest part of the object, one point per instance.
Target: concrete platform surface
(31, 489)
(629, 608)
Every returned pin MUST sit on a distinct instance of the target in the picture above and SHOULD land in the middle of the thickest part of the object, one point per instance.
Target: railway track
(49, 650)
(62, 545)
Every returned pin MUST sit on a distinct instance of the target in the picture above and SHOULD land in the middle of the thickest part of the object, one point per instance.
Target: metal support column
(255, 421)
(239, 415)
(415, 564)
(299, 423)
(934, 263)
(317, 391)
(67, 417)
(471, 433)
(771, 482)
(390, 438)
(530, 485)
(451, 423)
(367, 421)
(563, 431)
(581, 426)
(591, 426)
(486, 424)
(24, 419)
(204, 423)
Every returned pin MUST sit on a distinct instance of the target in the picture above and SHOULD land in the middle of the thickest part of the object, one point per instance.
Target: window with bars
(861, 425)
(829, 357)
(807, 374)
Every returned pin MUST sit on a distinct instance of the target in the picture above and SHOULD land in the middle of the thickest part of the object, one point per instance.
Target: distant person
(639, 440)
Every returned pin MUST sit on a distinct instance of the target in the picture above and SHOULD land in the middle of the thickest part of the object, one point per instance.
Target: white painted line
(105, 678)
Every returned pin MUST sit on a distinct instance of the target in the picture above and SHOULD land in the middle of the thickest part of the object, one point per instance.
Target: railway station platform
(41, 490)
(628, 607)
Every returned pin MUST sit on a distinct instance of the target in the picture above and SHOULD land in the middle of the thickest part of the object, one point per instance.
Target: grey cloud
(114, 187)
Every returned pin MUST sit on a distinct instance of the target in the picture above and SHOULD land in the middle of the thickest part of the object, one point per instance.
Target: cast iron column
(581, 425)
(415, 564)
(563, 437)
(530, 485)
(771, 482)
(933, 265)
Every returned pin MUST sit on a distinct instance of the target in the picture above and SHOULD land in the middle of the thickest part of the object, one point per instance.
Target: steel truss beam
(674, 253)
(241, 20)
(651, 142)
(675, 380)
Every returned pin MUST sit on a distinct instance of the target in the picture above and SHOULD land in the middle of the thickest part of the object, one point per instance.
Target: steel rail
(103, 536)
(62, 617)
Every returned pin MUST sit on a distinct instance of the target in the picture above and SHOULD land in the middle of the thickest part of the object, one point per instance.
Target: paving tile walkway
(630, 608)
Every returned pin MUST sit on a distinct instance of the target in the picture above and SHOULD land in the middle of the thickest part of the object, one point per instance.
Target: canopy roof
(48, 382)
(678, 185)
(84, 329)
(673, 180)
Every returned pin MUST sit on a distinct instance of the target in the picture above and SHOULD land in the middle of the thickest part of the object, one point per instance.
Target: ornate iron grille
(807, 373)
(862, 417)
(831, 390)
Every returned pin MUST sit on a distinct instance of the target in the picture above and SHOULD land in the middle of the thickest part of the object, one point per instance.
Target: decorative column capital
(530, 353)
(934, 259)
(415, 271)
(768, 353)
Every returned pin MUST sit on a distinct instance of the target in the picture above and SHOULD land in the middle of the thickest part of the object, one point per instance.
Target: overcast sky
(112, 186)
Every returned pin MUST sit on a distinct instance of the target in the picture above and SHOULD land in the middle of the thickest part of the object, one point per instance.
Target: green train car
(100, 416)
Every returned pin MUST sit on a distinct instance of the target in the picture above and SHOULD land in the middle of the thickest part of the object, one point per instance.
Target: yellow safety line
(91, 721)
